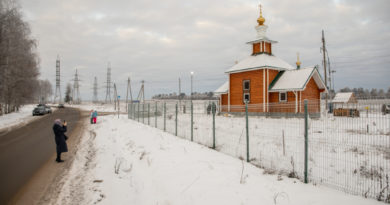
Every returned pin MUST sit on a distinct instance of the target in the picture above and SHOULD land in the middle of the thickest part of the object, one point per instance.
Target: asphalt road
(24, 150)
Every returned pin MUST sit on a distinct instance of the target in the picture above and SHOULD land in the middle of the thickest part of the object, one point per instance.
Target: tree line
(183, 96)
(362, 93)
(19, 61)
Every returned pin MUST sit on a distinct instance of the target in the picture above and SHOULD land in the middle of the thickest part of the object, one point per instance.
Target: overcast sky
(160, 41)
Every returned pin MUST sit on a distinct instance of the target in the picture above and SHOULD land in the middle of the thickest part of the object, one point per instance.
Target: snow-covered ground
(100, 107)
(121, 161)
(348, 154)
(21, 117)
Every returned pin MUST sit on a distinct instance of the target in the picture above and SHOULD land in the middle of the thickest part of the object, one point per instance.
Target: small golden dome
(261, 20)
(298, 62)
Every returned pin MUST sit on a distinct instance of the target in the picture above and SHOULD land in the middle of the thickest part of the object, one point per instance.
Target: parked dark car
(40, 110)
(61, 106)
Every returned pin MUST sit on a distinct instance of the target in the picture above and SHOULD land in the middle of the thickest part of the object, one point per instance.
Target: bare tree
(18, 59)
(43, 91)
(68, 97)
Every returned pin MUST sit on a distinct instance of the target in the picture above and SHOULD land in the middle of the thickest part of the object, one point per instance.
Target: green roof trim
(275, 79)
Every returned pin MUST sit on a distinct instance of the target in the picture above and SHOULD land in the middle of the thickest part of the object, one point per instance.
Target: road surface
(23, 151)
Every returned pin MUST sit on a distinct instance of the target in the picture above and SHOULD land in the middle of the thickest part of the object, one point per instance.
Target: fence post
(155, 116)
(143, 113)
(306, 142)
(138, 112)
(192, 122)
(247, 131)
(134, 111)
(128, 111)
(213, 110)
(148, 113)
(165, 112)
(176, 121)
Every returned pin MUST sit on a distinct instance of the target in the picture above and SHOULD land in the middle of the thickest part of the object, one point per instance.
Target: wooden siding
(311, 92)
(224, 102)
(268, 48)
(236, 87)
(256, 48)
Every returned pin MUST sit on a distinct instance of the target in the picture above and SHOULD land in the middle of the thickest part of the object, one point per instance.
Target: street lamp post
(192, 111)
(192, 75)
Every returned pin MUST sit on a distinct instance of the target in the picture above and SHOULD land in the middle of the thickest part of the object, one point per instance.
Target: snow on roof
(262, 39)
(223, 89)
(347, 97)
(297, 79)
(260, 61)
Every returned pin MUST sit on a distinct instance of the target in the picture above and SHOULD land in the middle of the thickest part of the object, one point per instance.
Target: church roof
(258, 62)
(261, 39)
(223, 89)
(296, 80)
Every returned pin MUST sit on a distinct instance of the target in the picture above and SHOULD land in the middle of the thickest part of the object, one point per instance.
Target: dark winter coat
(60, 138)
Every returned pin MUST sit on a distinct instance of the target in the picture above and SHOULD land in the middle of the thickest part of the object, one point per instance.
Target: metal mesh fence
(348, 148)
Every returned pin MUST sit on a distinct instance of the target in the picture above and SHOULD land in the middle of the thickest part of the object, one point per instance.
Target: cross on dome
(261, 20)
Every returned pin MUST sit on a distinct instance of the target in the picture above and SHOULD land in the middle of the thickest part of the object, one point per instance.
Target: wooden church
(269, 84)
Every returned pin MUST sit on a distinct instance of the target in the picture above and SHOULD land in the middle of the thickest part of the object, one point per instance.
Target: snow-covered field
(100, 107)
(349, 154)
(121, 161)
(23, 116)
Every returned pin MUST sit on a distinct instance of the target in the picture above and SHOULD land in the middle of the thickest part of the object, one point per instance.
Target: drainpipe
(300, 101)
(263, 90)
(267, 89)
(296, 101)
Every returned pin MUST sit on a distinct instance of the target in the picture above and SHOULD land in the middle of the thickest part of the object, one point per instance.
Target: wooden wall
(312, 93)
(265, 47)
(256, 48)
(236, 87)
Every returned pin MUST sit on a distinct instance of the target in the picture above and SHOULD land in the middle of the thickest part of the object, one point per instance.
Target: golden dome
(298, 62)
(261, 20)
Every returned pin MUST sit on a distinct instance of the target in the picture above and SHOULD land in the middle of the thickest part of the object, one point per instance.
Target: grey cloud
(160, 41)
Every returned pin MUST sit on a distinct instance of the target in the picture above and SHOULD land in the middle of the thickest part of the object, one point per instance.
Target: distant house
(343, 98)
(268, 83)
(345, 104)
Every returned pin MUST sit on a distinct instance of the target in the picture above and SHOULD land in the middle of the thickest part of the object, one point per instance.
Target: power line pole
(95, 91)
(330, 78)
(127, 93)
(326, 78)
(108, 87)
(76, 88)
(58, 84)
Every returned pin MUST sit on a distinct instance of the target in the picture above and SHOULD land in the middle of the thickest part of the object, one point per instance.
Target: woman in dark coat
(60, 138)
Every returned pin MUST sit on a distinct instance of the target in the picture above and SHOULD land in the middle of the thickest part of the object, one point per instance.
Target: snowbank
(23, 116)
(124, 162)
